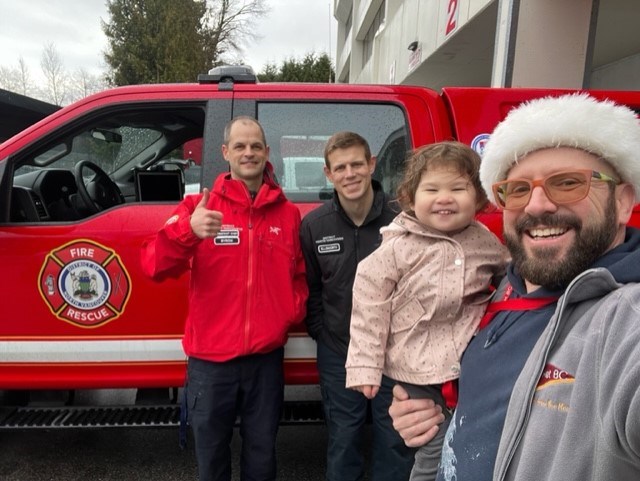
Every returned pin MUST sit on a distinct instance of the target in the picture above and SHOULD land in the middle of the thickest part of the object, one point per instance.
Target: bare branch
(54, 73)
(83, 84)
(232, 25)
(24, 76)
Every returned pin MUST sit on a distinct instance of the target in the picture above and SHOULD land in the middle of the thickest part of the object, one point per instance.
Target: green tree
(270, 73)
(311, 68)
(158, 41)
(152, 41)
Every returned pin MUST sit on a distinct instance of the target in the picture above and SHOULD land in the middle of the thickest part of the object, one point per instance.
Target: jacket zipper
(356, 235)
(520, 428)
(502, 472)
(249, 293)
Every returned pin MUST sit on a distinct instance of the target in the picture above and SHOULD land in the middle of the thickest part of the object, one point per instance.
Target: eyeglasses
(560, 188)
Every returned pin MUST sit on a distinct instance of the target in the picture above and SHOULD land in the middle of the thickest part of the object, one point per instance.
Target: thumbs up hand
(205, 222)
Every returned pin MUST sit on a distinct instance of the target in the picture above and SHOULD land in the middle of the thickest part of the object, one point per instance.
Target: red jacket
(248, 284)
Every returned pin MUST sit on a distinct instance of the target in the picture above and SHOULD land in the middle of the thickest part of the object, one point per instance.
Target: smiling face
(350, 173)
(550, 244)
(445, 200)
(246, 153)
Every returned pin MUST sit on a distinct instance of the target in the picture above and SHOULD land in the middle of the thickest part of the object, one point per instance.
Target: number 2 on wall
(452, 16)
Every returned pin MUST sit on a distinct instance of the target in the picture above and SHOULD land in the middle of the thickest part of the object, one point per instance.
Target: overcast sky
(292, 28)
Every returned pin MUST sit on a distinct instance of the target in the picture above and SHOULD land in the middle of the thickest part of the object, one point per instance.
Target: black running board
(61, 417)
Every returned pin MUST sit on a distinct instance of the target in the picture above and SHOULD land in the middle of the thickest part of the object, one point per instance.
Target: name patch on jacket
(330, 245)
(227, 237)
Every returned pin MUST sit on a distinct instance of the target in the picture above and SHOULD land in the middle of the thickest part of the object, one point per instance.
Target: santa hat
(602, 128)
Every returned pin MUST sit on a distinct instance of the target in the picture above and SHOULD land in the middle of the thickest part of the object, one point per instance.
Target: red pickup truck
(81, 189)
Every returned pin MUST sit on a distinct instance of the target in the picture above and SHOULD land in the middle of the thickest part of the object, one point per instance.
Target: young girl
(418, 298)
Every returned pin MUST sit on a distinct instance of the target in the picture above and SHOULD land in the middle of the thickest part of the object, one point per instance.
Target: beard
(542, 267)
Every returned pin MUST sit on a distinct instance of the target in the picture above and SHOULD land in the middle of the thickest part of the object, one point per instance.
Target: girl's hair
(450, 155)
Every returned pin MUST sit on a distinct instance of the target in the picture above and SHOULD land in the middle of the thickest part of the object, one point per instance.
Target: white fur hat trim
(602, 128)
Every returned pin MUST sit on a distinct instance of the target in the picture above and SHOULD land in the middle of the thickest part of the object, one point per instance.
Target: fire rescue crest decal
(84, 283)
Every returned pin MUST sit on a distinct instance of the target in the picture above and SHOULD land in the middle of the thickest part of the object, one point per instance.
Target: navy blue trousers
(217, 393)
(345, 414)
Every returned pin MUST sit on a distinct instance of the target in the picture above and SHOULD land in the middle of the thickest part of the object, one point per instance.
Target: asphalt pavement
(145, 454)
(141, 454)
(148, 453)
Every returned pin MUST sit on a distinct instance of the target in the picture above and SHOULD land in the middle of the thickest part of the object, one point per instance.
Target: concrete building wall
(623, 74)
(528, 43)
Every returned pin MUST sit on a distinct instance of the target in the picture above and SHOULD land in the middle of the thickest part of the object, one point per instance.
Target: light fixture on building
(413, 46)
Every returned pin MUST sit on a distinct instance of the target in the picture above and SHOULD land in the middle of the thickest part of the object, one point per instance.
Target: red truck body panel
(132, 339)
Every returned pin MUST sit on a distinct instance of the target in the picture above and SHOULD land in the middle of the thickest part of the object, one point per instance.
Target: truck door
(297, 128)
(78, 200)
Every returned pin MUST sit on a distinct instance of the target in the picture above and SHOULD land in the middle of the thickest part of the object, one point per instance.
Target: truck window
(297, 133)
(117, 146)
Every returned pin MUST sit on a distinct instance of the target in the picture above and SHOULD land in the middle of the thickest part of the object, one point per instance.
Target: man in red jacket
(240, 241)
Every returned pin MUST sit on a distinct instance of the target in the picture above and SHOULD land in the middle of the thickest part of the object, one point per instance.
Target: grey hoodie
(574, 414)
